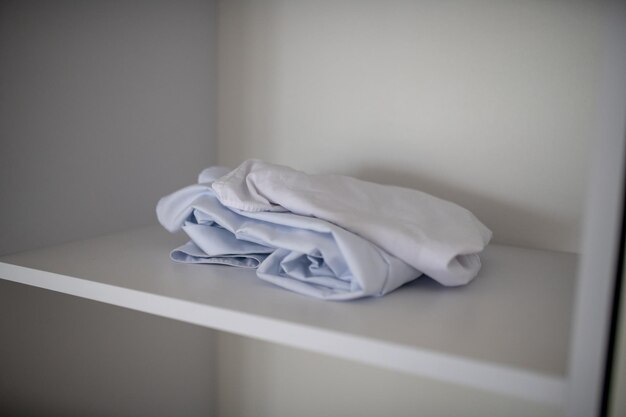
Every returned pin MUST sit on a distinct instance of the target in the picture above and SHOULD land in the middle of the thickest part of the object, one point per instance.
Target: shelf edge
(515, 382)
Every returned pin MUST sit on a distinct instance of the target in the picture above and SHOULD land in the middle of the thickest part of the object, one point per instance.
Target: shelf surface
(506, 332)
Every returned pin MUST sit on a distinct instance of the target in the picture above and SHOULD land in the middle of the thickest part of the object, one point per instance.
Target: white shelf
(506, 332)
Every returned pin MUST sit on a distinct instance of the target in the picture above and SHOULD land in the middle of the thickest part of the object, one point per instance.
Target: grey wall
(260, 379)
(104, 107)
(64, 356)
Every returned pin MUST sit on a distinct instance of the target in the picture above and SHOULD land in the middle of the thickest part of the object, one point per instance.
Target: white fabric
(303, 254)
(434, 236)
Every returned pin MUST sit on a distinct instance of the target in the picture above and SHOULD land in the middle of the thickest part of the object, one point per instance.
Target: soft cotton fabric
(436, 237)
(303, 254)
(325, 236)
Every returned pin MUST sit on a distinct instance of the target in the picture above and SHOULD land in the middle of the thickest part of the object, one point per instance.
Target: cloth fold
(327, 236)
(435, 236)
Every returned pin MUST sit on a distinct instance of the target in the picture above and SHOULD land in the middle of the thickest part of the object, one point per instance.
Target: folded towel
(326, 236)
(436, 237)
(303, 254)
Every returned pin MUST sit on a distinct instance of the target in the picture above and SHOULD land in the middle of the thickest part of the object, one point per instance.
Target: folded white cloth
(303, 254)
(326, 236)
(437, 237)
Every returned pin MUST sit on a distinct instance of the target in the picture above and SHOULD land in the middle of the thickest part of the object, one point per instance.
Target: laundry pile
(327, 236)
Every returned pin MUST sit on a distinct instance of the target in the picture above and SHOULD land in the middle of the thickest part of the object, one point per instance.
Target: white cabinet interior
(514, 110)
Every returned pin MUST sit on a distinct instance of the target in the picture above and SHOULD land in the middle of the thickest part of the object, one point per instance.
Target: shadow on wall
(106, 106)
(488, 209)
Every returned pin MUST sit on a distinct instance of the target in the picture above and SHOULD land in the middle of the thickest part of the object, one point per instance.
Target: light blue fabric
(303, 254)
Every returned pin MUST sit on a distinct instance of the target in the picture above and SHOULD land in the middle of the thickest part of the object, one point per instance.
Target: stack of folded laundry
(327, 236)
